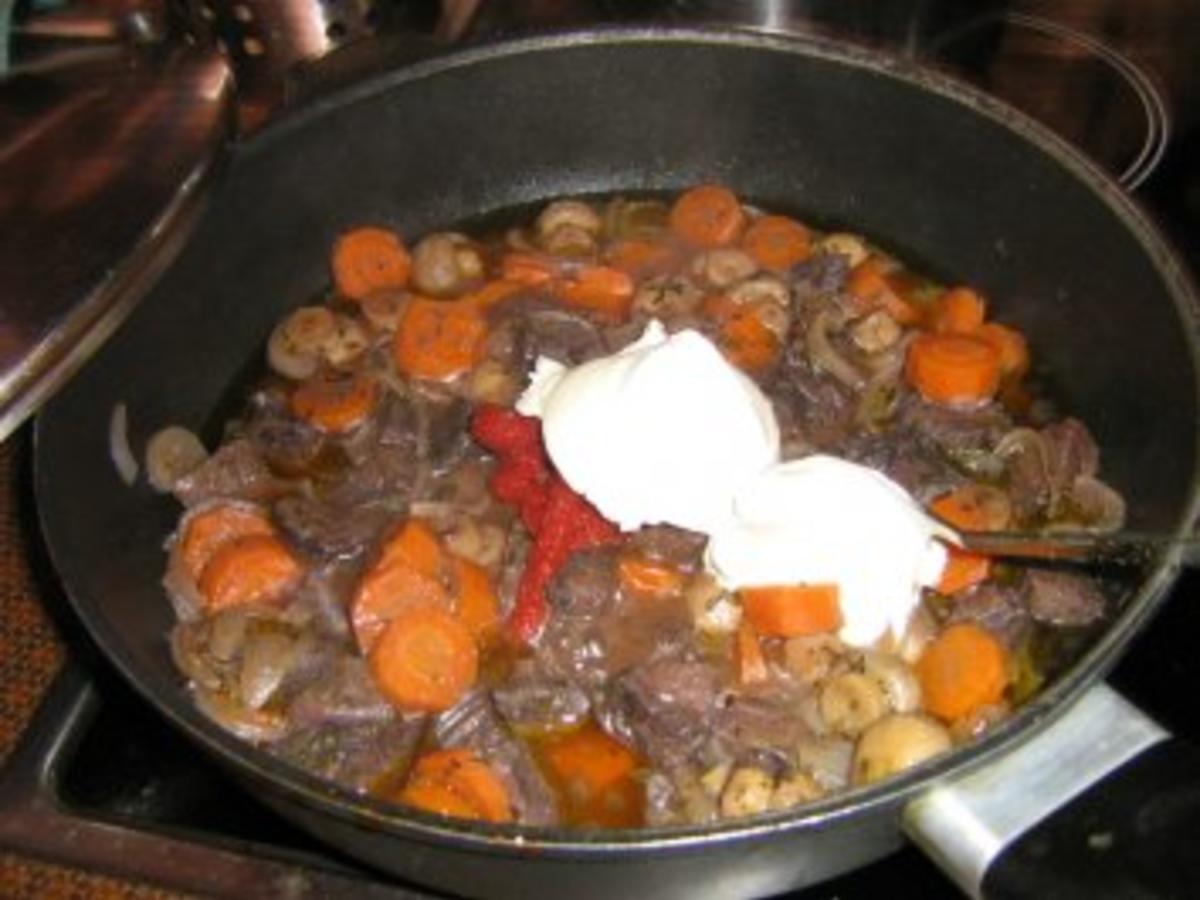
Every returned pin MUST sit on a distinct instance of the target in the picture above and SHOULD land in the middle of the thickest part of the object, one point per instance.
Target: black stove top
(102, 782)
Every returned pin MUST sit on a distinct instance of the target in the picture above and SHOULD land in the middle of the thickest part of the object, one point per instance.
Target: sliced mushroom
(747, 792)
(723, 268)
(797, 788)
(170, 454)
(850, 246)
(876, 332)
(667, 297)
(347, 343)
(383, 309)
(446, 263)
(852, 701)
(295, 346)
(895, 743)
(823, 355)
(899, 682)
(568, 213)
(569, 240)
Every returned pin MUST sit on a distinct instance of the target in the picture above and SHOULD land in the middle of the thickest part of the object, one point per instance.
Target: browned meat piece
(339, 693)
(586, 583)
(475, 723)
(356, 755)
(1001, 609)
(814, 410)
(532, 700)
(911, 462)
(821, 275)
(677, 547)
(328, 530)
(236, 472)
(1044, 466)
(1060, 598)
(287, 444)
(761, 727)
(665, 710)
(966, 436)
(528, 327)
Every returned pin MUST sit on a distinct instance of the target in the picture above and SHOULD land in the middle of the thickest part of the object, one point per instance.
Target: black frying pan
(938, 173)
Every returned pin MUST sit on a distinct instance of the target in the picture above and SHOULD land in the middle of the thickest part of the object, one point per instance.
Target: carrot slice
(416, 545)
(408, 574)
(456, 782)
(963, 570)
(953, 368)
(644, 577)
(438, 339)
(751, 664)
(1010, 344)
(476, 604)
(599, 289)
(776, 242)
(334, 402)
(974, 507)
(959, 310)
(792, 610)
(256, 568)
(386, 591)
(962, 669)
(642, 257)
(595, 776)
(425, 660)
(526, 269)
(708, 216)
(871, 287)
(208, 530)
(490, 293)
(366, 260)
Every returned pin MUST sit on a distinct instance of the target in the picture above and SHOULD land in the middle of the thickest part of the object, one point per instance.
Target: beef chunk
(1061, 598)
(326, 529)
(676, 547)
(585, 584)
(475, 723)
(814, 410)
(1001, 609)
(235, 472)
(532, 700)
(357, 754)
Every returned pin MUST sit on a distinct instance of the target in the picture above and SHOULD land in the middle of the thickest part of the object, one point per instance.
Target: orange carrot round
(743, 337)
(600, 289)
(953, 368)
(366, 260)
(871, 287)
(475, 604)
(526, 269)
(974, 507)
(961, 670)
(334, 402)
(456, 782)
(596, 777)
(776, 242)
(408, 573)
(257, 568)
(959, 310)
(438, 339)
(792, 610)
(204, 532)
(708, 216)
(384, 592)
(642, 257)
(963, 570)
(1010, 344)
(644, 577)
(425, 660)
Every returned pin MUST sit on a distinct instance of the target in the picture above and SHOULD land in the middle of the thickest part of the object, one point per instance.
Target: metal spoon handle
(1119, 548)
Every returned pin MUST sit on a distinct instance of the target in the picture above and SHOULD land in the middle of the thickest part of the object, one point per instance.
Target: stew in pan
(473, 542)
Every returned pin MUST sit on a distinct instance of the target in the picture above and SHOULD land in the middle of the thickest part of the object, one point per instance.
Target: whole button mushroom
(895, 743)
(446, 263)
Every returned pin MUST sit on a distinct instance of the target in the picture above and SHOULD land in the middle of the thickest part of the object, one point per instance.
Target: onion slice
(118, 445)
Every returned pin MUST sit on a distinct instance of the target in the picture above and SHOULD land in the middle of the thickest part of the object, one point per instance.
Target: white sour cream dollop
(662, 431)
(821, 520)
